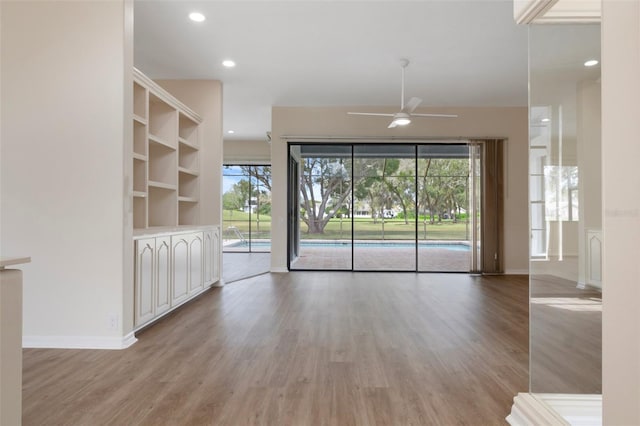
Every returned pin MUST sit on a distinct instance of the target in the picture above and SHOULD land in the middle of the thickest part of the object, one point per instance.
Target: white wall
(63, 82)
(508, 123)
(247, 152)
(621, 215)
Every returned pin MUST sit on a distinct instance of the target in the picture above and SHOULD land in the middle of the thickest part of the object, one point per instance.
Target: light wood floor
(566, 337)
(239, 266)
(305, 348)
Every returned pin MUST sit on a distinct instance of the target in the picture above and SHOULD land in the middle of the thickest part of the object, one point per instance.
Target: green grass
(394, 229)
(365, 228)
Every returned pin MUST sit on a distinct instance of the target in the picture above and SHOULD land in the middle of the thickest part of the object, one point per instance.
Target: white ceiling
(336, 53)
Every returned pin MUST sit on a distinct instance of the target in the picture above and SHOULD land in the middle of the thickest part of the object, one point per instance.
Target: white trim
(528, 410)
(516, 272)
(528, 11)
(576, 409)
(79, 342)
(556, 409)
(279, 270)
(219, 283)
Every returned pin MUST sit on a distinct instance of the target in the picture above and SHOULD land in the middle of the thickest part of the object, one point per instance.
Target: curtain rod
(290, 138)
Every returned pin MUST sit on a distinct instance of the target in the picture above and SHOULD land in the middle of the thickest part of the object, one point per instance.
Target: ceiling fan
(403, 117)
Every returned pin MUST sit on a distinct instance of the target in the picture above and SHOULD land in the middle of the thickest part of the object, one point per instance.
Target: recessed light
(591, 63)
(545, 120)
(230, 132)
(228, 63)
(197, 17)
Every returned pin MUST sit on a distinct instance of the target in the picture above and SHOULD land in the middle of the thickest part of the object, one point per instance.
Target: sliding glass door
(384, 222)
(323, 207)
(386, 207)
(445, 211)
(246, 215)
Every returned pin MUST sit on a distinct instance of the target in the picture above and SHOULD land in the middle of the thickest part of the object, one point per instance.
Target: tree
(231, 202)
(325, 185)
(443, 186)
(237, 197)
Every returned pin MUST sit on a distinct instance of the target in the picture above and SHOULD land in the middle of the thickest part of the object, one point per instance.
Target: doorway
(246, 208)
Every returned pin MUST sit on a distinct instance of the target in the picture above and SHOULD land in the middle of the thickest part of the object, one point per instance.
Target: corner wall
(510, 123)
(621, 216)
(63, 79)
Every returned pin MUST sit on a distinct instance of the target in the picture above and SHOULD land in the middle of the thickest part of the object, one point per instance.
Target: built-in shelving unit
(177, 253)
(165, 157)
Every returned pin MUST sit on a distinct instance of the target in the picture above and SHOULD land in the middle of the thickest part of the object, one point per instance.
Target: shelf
(139, 212)
(162, 164)
(188, 171)
(165, 157)
(160, 141)
(163, 202)
(139, 120)
(188, 157)
(188, 213)
(187, 199)
(187, 143)
(139, 175)
(161, 185)
(188, 130)
(163, 119)
(139, 138)
(139, 101)
(187, 185)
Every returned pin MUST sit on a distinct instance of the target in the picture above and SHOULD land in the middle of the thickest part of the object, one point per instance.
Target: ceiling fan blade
(392, 125)
(370, 113)
(436, 115)
(412, 105)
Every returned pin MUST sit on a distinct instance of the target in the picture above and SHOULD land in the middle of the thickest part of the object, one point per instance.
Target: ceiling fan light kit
(403, 117)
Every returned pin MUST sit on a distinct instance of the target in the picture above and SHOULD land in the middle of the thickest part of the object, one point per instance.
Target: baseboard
(576, 409)
(556, 409)
(279, 270)
(78, 342)
(516, 272)
(527, 410)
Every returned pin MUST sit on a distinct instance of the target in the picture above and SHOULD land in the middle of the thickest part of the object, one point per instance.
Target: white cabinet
(172, 268)
(153, 277)
(196, 282)
(163, 275)
(180, 254)
(211, 256)
(144, 281)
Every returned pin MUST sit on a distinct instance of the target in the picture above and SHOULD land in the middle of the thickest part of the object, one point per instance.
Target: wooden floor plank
(304, 348)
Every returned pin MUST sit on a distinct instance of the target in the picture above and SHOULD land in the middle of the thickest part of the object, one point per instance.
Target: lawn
(365, 228)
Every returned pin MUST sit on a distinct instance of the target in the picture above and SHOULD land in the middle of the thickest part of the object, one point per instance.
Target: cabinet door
(195, 263)
(215, 265)
(144, 282)
(208, 256)
(180, 269)
(163, 274)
